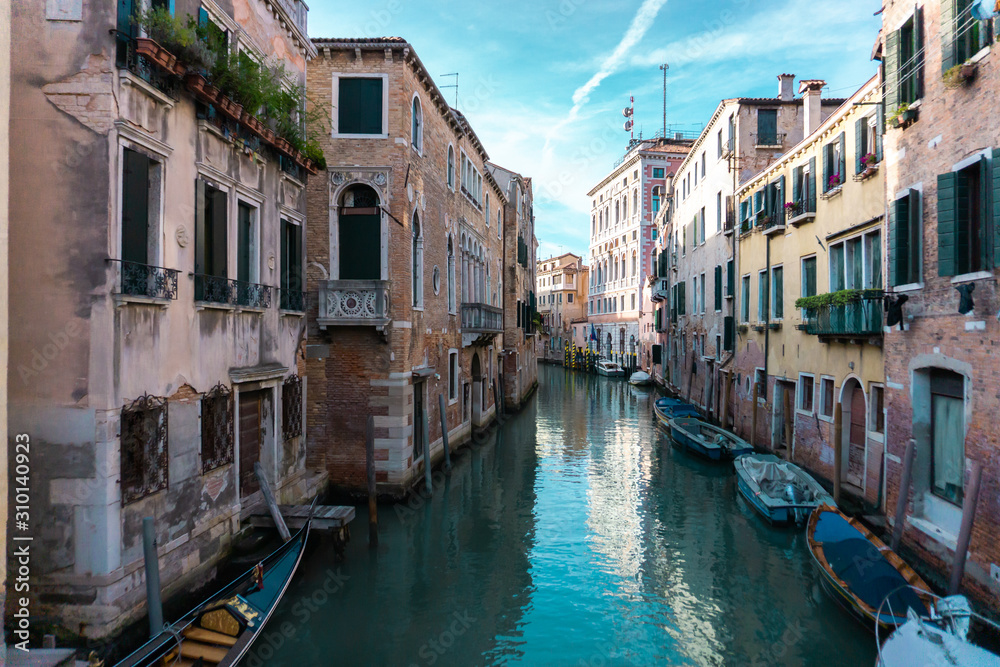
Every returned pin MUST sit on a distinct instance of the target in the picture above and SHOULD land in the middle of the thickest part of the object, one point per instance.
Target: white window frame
(820, 395)
(800, 395)
(869, 429)
(451, 169)
(417, 296)
(453, 365)
(771, 289)
(417, 139)
(335, 109)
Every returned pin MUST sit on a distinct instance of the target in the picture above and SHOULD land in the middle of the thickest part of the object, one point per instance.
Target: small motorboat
(706, 440)
(221, 630)
(640, 379)
(781, 492)
(861, 573)
(610, 369)
(940, 638)
(668, 408)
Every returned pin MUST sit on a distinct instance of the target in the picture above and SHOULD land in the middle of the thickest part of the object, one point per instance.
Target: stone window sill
(935, 532)
(135, 300)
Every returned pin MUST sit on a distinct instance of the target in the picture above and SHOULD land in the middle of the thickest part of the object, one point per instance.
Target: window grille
(216, 428)
(143, 448)
(291, 407)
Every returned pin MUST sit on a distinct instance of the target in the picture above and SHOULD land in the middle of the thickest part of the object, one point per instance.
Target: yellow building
(811, 225)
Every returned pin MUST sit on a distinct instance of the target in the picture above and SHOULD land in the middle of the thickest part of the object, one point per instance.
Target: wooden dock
(326, 517)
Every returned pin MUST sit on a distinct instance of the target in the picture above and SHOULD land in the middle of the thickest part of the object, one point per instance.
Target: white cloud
(641, 23)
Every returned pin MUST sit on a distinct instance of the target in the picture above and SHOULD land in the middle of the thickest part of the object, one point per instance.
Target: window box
(868, 172)
(832, 192)
(959, 75)
(847, 313)
(903, 116)
(760, 327)
(774, 325)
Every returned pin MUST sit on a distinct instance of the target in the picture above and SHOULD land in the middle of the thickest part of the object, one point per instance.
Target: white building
(622, 238)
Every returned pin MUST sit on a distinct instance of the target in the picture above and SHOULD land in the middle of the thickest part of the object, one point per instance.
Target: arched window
(625, 207)
(418, 263)
(451, 167)
(499, 220)
(417, 127)
(451, 275)
(618, 213)
(635, 199)
(633, 263)
(593, 224)
(656, 199)
(616, 269)
(486, 209)
(359, 234)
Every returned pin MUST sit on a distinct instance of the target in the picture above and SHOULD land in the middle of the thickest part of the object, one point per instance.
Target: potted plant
(793, 208)
(869, 160)
(901, 115)
(959, 75)
(833, 182)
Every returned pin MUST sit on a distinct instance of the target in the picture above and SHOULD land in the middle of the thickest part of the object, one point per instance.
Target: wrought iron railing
(353, 303)
(217, 428)
(291, 407)
(144, 455)
(128, 58)
(861, 317)
(213, 289)
(771, 139)
(137, 279)
(480, 318)
(252, 295)
(293, 299)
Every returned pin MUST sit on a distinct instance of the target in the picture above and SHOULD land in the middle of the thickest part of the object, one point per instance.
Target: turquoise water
(574, 535)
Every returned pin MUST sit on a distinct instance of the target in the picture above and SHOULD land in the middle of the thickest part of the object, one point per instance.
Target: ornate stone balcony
(353, 303)
(481, 319)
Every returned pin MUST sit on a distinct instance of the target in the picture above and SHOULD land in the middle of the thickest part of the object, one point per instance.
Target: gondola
(706, 440)
(780, 491)
(667, 408)
(221, 630)
(861, 573)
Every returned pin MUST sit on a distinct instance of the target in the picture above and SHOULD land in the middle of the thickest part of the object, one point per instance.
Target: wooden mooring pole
(272, 504)
(838, 445)
(789, 422)
(152, 561)
(444, 432)
(428, 477)
(370, 469)
(965, 533)
(904, 494)
(753, 417)
(725, 400)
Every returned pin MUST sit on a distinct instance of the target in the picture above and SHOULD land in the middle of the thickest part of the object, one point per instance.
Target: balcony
(353, 303)
(770, 140)
(293, 300)
(773, 225)
(729, 224)
(850, 314)
(143, 282)
(219, 290)
(482, 319)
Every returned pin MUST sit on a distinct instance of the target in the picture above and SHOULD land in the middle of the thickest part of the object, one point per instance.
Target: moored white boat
(640, 379)
(610, 369)
(939, 638)
(781, 492)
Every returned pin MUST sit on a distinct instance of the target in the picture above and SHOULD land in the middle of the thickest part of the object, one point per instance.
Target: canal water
(575, 535)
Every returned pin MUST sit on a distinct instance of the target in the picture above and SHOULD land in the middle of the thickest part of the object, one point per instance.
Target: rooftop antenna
(665, 67)
(629, 113)
(453, 85)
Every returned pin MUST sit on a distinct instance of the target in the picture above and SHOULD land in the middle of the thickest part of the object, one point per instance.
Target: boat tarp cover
(774, 478)
(863, 568)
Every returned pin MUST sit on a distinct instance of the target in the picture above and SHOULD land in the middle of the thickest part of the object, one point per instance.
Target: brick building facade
(406, 258)
(156, 348)
(942, 148)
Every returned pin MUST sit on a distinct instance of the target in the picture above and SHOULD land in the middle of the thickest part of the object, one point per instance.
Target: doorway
(783, 422)
(477, 390)
(855, 424)
(419, 415)
(251, 414)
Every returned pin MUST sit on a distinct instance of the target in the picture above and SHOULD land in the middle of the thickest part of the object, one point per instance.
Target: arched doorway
(359, 237)
(609, 345)
(854, 445)
(477, 390)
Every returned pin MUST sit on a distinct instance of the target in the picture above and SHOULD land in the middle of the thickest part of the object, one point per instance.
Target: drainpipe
(767, 321)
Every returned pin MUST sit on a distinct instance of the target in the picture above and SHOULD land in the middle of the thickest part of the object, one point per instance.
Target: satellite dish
(627, 112)
(628, 125)
(982, 11)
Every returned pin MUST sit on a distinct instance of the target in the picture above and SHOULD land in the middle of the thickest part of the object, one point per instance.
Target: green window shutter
(949, 40)
(200, 228)
(135, 207)
(244, 233)
(827, 166)
(811, 189)
(892, 78)
(915, 232)
(842, 167)
(879, 130)
(718, 287)
(682, 298)
(947, 224)
(995, 218)
(769, 200)
(730, 278)
(729, 333)
(779, 210)
(918, 50)
(796, 178)
(897, 230)
(360, 106)
(985, 231)
(859, 145)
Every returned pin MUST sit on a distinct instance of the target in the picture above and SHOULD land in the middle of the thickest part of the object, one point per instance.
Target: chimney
(812, 104)
(785, 83)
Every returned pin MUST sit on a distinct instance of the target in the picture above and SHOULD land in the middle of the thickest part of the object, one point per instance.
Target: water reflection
(576, 537)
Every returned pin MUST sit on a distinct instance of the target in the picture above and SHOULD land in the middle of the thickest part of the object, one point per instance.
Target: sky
(544, 82)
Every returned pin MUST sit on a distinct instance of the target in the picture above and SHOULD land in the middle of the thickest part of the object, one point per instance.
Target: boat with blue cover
(861, 573)
(221, 630)
(667, 408)
(782, 492)
(707, 440)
